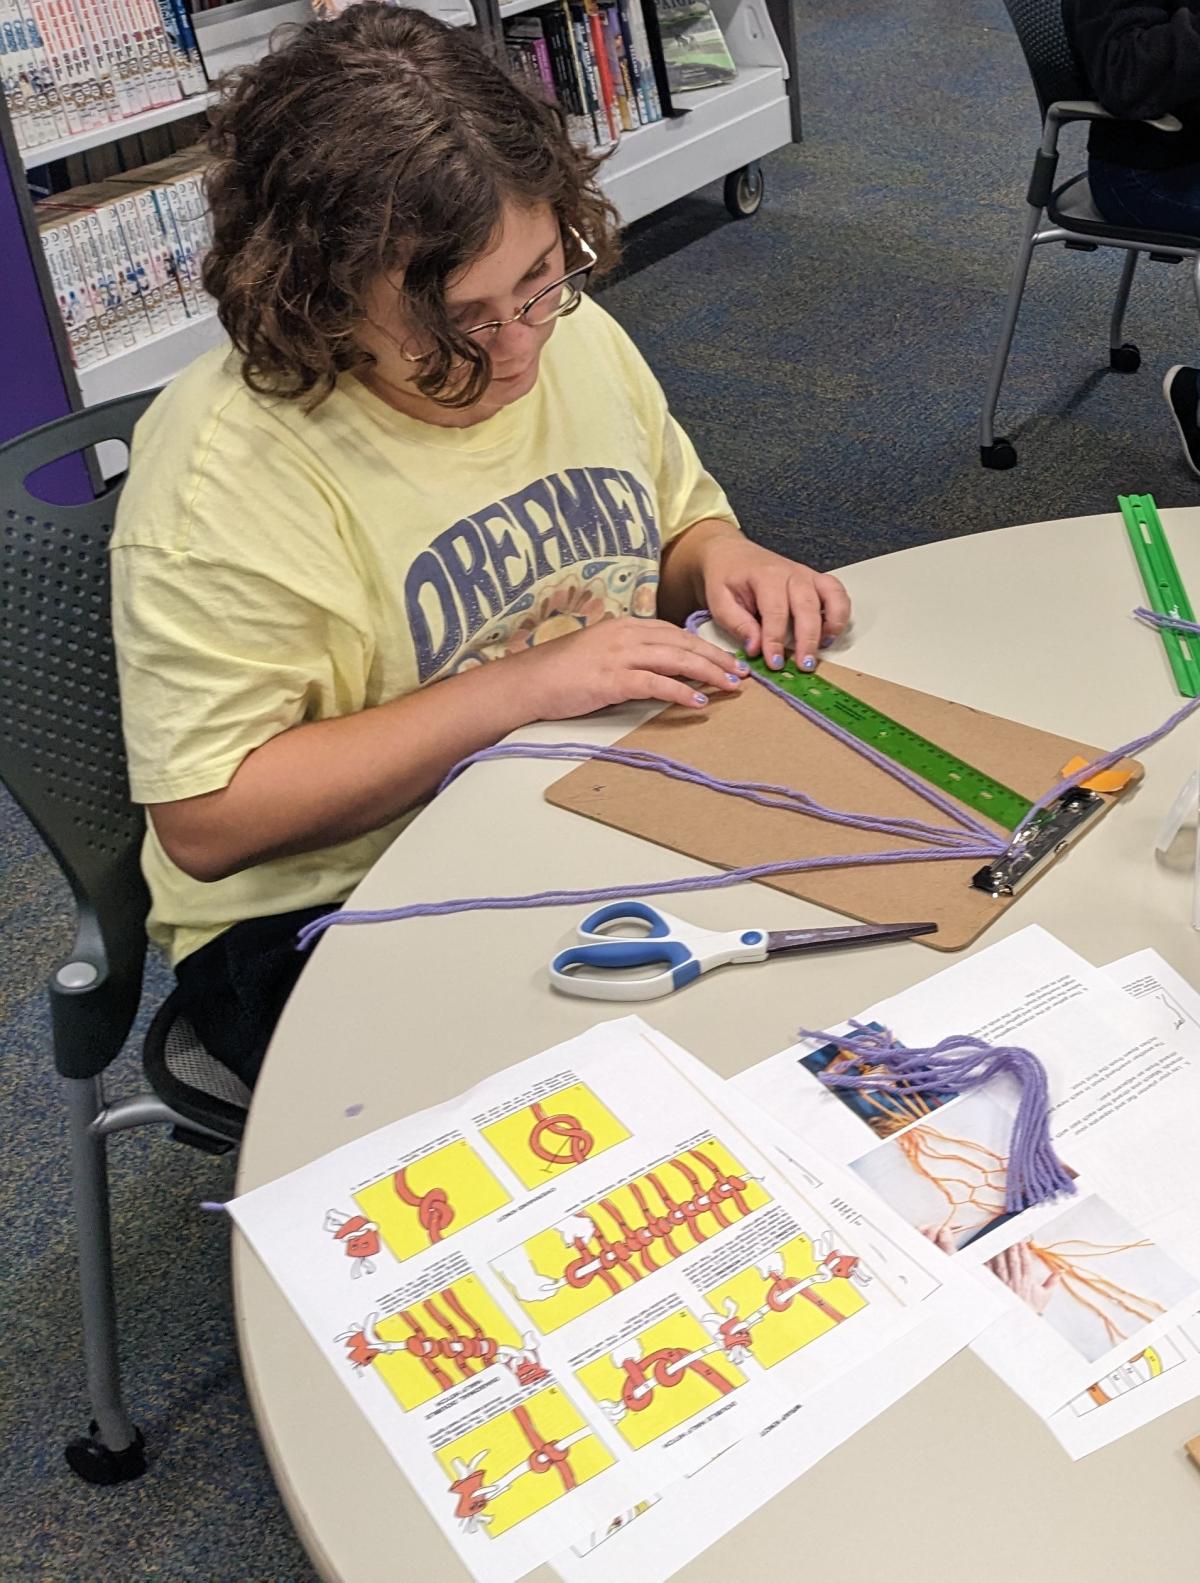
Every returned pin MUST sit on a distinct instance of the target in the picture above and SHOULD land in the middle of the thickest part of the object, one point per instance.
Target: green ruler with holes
(1164, 586)
(932, 763)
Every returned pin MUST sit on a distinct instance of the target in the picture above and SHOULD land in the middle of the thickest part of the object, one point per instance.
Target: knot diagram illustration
(629, 1233)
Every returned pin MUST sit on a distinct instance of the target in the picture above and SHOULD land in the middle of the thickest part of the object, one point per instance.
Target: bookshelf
(718, 133)
(132, 126)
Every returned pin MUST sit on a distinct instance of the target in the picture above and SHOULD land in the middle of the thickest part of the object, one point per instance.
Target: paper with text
(1090, 1278)
(582, 1281)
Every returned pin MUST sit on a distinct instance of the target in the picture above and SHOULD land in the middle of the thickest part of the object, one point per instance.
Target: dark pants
(1147, 200)
(234, 988)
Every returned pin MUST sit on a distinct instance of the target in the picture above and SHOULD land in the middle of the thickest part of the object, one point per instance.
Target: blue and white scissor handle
(595, 968)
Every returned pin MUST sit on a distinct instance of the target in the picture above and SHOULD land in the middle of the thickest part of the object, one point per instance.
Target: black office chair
(1073, 218)
(61, 757)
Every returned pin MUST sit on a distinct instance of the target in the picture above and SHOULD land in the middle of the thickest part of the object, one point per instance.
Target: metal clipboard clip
(1039, 843)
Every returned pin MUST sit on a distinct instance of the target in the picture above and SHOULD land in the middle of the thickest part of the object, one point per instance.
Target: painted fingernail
(734, 681)
(742, 666)
(828, 642)
(776, 662)
(808, 663)
(700, 698)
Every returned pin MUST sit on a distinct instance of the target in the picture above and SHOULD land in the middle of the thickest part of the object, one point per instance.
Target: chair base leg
(97, 1463)
(1000, 455)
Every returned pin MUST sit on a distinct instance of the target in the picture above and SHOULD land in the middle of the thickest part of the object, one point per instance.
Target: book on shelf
(70, 67)
(124, 255)
(694, 47)
(591, 57)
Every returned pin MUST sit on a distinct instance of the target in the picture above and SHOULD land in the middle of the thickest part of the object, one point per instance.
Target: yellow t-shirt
(272, 566)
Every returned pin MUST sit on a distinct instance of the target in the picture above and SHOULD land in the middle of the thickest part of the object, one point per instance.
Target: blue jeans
(1147, 200)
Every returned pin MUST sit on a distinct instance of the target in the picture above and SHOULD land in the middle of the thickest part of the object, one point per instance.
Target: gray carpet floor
(828, 357)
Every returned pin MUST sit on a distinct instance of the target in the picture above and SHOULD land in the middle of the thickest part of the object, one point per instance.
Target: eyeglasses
(554, 301)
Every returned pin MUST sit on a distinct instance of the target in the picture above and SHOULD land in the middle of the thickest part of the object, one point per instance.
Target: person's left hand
(754, 594)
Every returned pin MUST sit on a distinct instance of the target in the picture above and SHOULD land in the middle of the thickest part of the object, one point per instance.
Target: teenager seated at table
(1142, 61)
(434, 494)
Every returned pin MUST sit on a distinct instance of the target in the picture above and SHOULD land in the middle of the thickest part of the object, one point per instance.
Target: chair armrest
(1088, 110)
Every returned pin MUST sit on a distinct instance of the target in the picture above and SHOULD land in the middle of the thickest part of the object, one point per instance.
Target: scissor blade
(851, 934)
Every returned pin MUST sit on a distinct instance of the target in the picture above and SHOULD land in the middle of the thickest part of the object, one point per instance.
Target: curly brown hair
(380, 142)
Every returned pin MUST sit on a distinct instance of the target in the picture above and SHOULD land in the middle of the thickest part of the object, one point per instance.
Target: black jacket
(1140, 61)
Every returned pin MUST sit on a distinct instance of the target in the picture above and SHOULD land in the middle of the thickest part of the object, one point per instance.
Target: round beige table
(958, 1481)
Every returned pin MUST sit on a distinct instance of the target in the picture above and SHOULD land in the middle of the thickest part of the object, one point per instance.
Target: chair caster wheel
(98, 1464)
(1001, 454)
(1124, 359)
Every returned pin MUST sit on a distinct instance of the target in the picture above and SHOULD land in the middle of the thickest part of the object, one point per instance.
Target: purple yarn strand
(1107, 760)
(669, 887)
(915, 784)
(786, 799)
(973, 840)
(1165, 623)
(1162, 623)
(961, 1063)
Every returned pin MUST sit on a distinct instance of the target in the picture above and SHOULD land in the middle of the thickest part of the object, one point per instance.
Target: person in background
(432, 495)
(1142, 62)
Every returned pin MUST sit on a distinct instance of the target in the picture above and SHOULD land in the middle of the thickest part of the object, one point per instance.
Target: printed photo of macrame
(885, 1110)
(1151, 1363)
(554, 1134)
(517, 1463)
(654, 1381)
(434, 1344)
(1093, 1277)
(948, 1177)
(612, 1244)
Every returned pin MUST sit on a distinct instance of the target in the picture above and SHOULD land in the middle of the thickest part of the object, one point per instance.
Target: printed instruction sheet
(1165, 1373)
(1086, 1275)
(673, 1526)
(1091, 1278)
(657, 1535)
(582, 1281)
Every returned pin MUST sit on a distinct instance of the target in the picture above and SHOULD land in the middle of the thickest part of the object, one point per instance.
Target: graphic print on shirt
(559, 554)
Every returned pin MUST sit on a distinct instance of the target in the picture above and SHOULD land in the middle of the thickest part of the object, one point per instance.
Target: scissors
(629, 934)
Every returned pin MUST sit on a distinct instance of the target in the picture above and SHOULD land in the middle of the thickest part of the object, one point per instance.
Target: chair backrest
(61, 750)
(1042, 35)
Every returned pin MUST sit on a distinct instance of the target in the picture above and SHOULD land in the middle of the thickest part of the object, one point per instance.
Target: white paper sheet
(654, 1538)
(1126, 1089)
(583, 1280)
(1165, 1374)
(649, 1541)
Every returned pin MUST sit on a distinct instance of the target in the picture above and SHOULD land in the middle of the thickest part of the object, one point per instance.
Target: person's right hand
(1025, 1275)
(624, 658)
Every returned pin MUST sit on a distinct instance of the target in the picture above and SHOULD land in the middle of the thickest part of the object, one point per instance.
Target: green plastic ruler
(961, 781)
(1164, 586)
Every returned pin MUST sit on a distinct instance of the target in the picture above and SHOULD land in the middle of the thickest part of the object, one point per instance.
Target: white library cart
(720, 133)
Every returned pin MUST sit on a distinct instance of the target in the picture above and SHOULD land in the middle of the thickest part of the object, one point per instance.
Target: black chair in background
(1066, 213)
(62, 759)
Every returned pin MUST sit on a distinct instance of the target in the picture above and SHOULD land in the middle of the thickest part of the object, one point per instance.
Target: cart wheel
(744, 191)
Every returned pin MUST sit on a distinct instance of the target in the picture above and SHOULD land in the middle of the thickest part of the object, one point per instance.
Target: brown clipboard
(753, 735)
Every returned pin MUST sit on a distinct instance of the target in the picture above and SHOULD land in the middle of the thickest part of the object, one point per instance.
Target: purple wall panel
(32, 388)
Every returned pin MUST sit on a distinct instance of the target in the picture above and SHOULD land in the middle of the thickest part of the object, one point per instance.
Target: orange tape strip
(1111, 780)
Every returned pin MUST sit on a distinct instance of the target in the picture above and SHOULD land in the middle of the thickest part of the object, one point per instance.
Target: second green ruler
(1164, 586)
